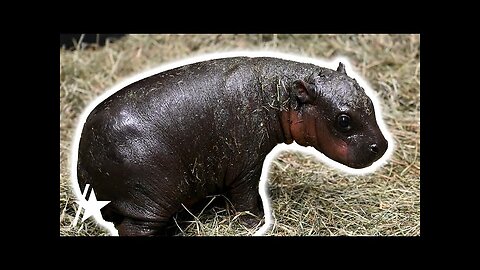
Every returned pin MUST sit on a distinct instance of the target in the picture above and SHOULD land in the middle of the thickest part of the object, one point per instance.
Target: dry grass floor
(308, 197)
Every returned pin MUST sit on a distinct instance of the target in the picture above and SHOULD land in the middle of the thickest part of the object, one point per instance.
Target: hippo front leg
(245, 197)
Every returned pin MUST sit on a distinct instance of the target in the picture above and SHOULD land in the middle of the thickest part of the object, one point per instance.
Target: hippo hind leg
(136, 227)
(109, 214)
(128, 226)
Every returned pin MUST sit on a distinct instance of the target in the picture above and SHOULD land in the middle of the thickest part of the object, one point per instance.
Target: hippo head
(333, 114)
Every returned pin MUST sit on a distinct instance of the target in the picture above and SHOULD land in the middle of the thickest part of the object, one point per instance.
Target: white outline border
(332, 64)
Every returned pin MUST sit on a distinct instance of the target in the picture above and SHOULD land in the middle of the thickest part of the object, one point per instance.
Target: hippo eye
(344, 122)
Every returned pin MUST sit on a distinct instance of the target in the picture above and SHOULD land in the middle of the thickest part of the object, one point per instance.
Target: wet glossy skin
(205, 128)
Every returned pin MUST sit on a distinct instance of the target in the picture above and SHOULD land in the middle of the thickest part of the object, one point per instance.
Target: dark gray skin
(204, 129)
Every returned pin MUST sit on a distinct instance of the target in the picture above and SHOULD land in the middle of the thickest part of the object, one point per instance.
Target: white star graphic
(92, 206)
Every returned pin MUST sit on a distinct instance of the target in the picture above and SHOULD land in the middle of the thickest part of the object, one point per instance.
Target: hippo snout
(377, 149)
(375, 152)
(367, 154)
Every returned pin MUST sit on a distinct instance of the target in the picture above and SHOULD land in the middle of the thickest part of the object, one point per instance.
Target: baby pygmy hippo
(205, 128)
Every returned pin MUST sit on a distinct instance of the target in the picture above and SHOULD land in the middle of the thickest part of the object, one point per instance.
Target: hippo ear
(304, 92)
(341, 68)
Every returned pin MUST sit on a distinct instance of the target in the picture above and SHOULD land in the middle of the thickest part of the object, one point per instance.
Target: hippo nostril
(374, 148)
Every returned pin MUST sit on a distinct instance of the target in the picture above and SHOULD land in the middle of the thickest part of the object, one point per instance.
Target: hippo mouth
(358, 165)
(346, 155)
(366, 157)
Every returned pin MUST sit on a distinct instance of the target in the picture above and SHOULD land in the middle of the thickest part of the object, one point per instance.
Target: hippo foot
(250, 221)
(133, 227)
